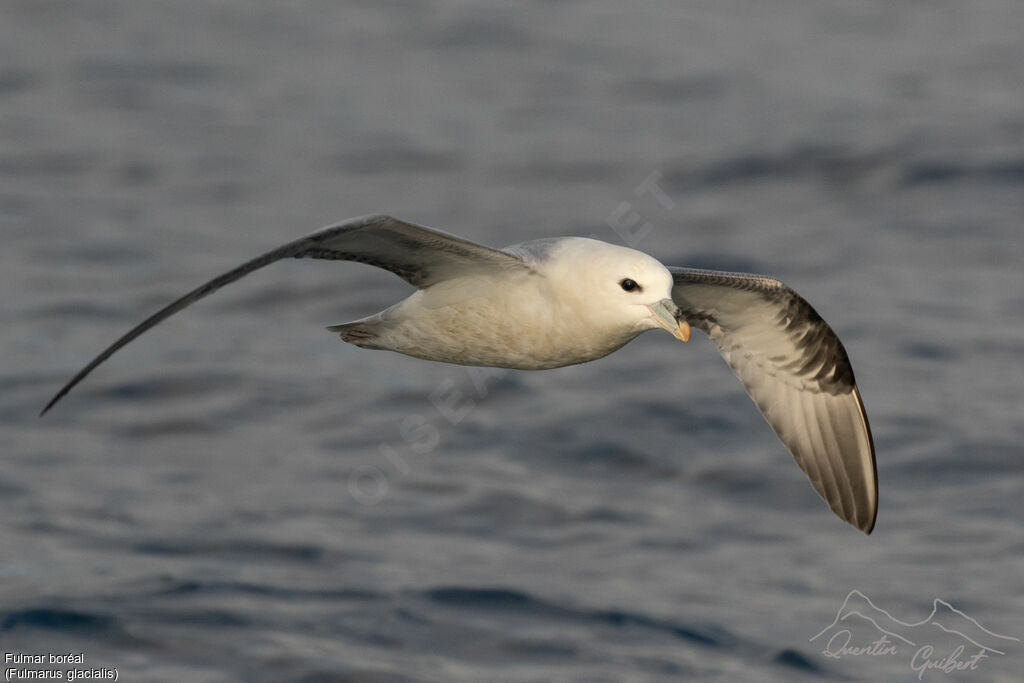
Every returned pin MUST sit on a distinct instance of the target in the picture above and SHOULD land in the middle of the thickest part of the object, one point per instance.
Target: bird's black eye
(630, 285)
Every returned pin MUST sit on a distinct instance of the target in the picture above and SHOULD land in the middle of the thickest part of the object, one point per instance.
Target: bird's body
(561, 301)
(523, 319)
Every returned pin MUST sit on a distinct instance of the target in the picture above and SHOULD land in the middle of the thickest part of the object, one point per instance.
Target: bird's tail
(359, 333)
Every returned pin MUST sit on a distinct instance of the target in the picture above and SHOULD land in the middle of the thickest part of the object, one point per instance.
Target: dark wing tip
(50, 404)
(81, 374)
(869, 524)
(170, 309)
(70, 385)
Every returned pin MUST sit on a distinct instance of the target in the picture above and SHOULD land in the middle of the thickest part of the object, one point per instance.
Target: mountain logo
(947, 640)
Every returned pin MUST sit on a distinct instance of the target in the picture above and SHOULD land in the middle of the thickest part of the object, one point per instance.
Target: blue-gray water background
(198, 509)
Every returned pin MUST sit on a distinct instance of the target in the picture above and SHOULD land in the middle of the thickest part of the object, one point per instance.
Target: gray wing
(419, 255)
(797, 372)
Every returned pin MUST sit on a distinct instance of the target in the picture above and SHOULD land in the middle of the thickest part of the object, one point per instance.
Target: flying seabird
(559, 301)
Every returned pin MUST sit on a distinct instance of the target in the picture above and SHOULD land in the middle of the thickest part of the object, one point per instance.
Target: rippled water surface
(240, 496)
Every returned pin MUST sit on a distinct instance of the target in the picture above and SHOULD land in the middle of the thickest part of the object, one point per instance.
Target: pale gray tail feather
(358, 333)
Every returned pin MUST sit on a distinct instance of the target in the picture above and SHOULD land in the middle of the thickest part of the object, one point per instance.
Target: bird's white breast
(518, 322)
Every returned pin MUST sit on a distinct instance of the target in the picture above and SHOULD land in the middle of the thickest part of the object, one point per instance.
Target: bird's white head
(617, 288)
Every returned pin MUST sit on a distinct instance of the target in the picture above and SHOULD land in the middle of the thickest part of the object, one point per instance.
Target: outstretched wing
(797, 372)
(419, 255)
